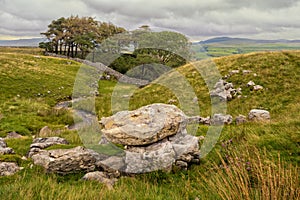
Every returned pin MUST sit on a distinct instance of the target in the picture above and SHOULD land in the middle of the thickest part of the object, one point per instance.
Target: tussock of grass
(250, 174)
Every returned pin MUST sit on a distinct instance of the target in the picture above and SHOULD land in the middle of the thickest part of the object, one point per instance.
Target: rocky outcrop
(8, 168)
(144, 126)
(259, 115)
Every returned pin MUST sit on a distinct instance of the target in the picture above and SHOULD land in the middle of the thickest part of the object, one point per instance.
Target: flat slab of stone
(64, 161)
(145, 125)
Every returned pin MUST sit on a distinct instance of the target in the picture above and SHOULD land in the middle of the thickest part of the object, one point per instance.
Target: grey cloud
(192, 17)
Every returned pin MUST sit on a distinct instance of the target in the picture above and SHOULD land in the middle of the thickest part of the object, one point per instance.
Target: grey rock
(257, 87)
(4, 149)
(2, 143)
(13, 135)
(199, 120)
(101, 177)
(247, 71)
(181, 164)
(51, 140)
(42, 143)
(145, 125)
(259, 115)
(64, 161)
(240, 119)
(185, 145)
(250, 84)
(45, 131)
(232, 72)
(224, 90)
(220, 119)
(155, 157)
(8, 168)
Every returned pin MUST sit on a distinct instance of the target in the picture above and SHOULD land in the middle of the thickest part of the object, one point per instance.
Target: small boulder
(45, 132)
(4, 149)
(257, 87)
(101, 177)
(250, 84)
(8, 168)
(246, 72)
(240, 119)
(13, 135)
(236, 71)
(259, 115)
(220, 119)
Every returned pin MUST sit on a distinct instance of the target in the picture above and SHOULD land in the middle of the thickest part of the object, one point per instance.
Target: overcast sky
(198, 19)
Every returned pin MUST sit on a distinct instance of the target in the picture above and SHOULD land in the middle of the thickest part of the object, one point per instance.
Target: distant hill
(229, 40)
(33, 42)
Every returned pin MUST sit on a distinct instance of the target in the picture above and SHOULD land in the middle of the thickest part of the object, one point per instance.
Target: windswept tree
(70, 35)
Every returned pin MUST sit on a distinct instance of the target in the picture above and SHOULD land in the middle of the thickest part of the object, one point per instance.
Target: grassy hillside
(250, 161)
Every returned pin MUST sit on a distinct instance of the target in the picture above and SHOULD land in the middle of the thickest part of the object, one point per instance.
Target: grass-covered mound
(250, 161)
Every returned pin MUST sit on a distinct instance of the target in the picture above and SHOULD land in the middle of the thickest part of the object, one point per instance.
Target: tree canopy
(72, 35)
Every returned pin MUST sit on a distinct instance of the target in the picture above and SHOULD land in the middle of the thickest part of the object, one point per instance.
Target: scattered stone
(145, 125)
(240, 119)
(198, 120)
(220, 119)
(257, 87)
(232, 72)
(45, 131)
(250, 84)
(101, 177)
(195, 100)
(64, 161)
(224, 90)
(254, 74)
(259, 115)
(246, 72)
(13, 135)
(171, 101)
(4, 149)
(8, 168)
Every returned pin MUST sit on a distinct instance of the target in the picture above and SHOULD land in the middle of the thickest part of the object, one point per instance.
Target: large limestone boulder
(259, 115)
(145, 125)
(64, 161)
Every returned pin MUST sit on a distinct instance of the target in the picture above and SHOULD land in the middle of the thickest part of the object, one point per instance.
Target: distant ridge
(33, 42)
(229, 40)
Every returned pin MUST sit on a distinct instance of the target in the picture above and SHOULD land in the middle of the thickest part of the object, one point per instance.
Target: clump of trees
(84, 37)
(77, 36)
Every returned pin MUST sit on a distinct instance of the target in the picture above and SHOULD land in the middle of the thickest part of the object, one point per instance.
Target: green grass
(23, 76)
